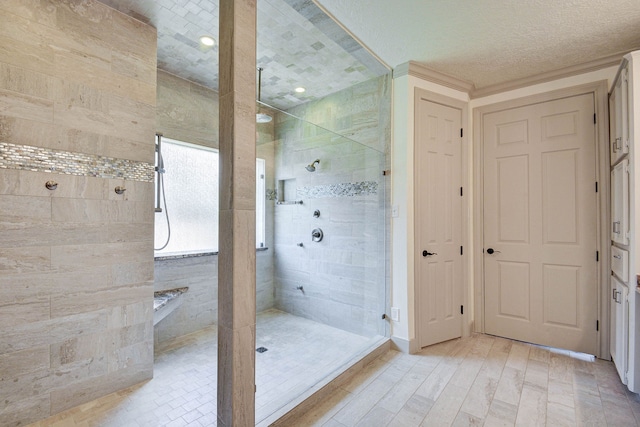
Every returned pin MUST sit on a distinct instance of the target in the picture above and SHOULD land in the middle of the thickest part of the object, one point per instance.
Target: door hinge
(596, 186)
(462, 309)
(597, 256)
(461, 250)
(594, 118)
(597, 325)
(460, 191)
(461, 133)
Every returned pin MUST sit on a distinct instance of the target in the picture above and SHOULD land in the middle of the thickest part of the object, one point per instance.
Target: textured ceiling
(297, 45)
(488, 42)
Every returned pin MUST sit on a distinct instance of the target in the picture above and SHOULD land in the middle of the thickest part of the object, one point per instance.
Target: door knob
(491, 251)
(426, 253)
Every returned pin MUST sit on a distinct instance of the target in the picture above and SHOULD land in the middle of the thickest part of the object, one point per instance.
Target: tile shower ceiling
(298, 45)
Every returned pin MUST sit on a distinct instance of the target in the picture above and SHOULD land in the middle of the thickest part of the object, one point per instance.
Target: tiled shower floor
(183, 391)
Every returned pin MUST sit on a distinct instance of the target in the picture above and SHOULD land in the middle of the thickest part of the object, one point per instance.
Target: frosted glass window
(191, 189)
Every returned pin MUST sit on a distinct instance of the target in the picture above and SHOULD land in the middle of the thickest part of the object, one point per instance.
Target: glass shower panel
(321, 288)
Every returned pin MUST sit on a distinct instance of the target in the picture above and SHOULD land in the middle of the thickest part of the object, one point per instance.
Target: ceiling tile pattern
(297, 45)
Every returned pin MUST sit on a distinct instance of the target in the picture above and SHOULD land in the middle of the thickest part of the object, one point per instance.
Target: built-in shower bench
(164, 302)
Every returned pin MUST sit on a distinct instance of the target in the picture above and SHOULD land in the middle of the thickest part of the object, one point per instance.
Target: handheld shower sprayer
(159, 170)
(312, 167)
(160, 189)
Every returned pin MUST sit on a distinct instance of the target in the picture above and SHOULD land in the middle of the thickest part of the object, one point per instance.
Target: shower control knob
(317, 235)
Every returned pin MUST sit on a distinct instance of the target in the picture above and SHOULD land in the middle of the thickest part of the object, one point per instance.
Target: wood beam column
(237, 249)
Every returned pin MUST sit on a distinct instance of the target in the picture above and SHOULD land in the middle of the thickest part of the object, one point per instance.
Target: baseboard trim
(404, 345)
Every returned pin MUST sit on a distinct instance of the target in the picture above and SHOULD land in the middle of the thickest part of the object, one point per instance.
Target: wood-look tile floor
(479, 380)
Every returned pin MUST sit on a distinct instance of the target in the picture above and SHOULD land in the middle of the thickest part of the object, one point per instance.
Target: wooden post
(237, 250)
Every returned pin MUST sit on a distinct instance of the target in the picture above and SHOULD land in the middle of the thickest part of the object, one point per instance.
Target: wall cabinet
(624, 121)
(619, 118)
(620, 327)
(620, 203)
(620, 263)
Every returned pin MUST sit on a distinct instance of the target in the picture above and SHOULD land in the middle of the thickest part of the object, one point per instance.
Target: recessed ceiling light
(207, 40)
(300, 89)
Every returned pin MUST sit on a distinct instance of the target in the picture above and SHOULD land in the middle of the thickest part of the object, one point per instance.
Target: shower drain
(261, 349)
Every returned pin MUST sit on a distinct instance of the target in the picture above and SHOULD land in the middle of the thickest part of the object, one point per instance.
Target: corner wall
(77, 99)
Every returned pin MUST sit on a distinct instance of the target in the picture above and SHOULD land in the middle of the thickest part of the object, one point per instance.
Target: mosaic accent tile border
(345, 189)
(37, 159)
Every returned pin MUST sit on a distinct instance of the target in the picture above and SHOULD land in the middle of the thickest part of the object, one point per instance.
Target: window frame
(260, 242)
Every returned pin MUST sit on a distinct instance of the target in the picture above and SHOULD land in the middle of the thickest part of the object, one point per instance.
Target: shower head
(312, 166)
(263, 118)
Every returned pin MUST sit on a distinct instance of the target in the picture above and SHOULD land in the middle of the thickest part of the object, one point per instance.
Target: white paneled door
(438, 221)
(540, 223)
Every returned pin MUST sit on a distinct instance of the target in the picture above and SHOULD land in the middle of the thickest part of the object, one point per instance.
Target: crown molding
(574, 70)
(418, 70)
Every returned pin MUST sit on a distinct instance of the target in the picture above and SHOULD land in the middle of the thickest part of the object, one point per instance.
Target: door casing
(599, 91)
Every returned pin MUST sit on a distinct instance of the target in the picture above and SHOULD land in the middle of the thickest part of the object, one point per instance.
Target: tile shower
(339, 282)
(343, 277)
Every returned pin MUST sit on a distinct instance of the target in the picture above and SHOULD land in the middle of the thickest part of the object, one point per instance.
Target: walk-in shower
(328, 271)
(321, 279)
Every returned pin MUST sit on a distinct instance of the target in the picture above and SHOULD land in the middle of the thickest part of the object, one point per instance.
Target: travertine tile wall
(189, 112)
(361, 112)
(76, 263)
(344, 276)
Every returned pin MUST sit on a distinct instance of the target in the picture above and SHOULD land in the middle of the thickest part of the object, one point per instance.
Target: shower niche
(287, 191)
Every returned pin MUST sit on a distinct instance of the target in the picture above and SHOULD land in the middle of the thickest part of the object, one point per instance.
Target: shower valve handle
(317, 235)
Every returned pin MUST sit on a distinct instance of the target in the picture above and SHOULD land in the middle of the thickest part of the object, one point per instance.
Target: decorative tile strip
(36, 159)
(345, 189)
